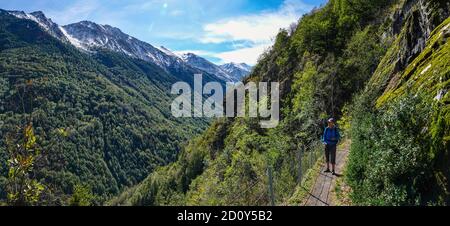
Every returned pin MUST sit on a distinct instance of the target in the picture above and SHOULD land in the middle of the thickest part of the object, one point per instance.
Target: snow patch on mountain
(238, 71)
(75, 42)
(167, 51)
(93, 36)
(23, 15)
(45, 23)
(205, 65)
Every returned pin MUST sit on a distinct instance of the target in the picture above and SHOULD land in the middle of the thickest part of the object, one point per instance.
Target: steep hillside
(101, 121)
(380, 67)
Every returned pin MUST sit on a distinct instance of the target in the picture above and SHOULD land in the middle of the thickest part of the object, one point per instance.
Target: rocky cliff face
(429, 69)
(416, 19)
(411, 24)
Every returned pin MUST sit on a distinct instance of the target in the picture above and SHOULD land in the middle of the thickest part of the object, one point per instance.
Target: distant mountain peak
(186, 57)
(91, 36)
(243, 66)
(232, 72)
(239, 70)
(39, 14)
(190, 56)
(205, 65)
(46, 23)
(167, 51)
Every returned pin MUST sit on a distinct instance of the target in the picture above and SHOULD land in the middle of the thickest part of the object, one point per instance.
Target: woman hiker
(330, 139)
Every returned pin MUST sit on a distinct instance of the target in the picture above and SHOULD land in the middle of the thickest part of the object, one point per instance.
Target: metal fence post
(300, 171)
(271, 192)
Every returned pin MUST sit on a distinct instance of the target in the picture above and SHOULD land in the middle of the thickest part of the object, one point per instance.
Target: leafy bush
(391, 161)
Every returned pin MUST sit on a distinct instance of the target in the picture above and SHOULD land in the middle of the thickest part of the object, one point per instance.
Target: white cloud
(257, 31)
(258, 28)
(246, 55)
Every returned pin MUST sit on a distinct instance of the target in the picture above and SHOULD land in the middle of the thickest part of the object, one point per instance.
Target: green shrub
(391, 160)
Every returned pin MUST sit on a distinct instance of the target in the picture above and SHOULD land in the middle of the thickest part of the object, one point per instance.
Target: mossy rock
(429, 73)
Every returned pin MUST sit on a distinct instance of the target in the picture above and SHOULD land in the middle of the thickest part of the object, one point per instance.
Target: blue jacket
(331, 136)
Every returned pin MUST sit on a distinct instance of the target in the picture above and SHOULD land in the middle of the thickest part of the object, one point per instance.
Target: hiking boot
(334, 173)
(327, 171)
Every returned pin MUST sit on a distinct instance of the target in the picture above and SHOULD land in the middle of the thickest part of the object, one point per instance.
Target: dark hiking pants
(330, 153)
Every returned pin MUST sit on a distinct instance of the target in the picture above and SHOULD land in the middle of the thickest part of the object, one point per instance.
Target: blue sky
(220, 30)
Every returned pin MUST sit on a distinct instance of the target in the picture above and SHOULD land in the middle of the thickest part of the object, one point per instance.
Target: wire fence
(286, 182)
(308, 159)
(282, 179)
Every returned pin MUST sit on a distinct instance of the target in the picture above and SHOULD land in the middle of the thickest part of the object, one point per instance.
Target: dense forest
(380, 67)
(94, 123)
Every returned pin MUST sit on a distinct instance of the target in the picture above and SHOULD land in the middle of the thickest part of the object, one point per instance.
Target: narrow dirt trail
(320, 194)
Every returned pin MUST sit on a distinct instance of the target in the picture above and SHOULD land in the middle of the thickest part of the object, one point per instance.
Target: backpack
(335, 130)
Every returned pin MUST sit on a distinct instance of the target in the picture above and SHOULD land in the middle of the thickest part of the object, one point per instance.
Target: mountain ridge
(90, 36)
(239, 70)
(231, 72)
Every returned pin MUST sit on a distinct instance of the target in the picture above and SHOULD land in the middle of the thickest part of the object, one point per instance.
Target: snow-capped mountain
(47, 24)
(90, 37)
(237, 71)
(205, 65)
(231, 72)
